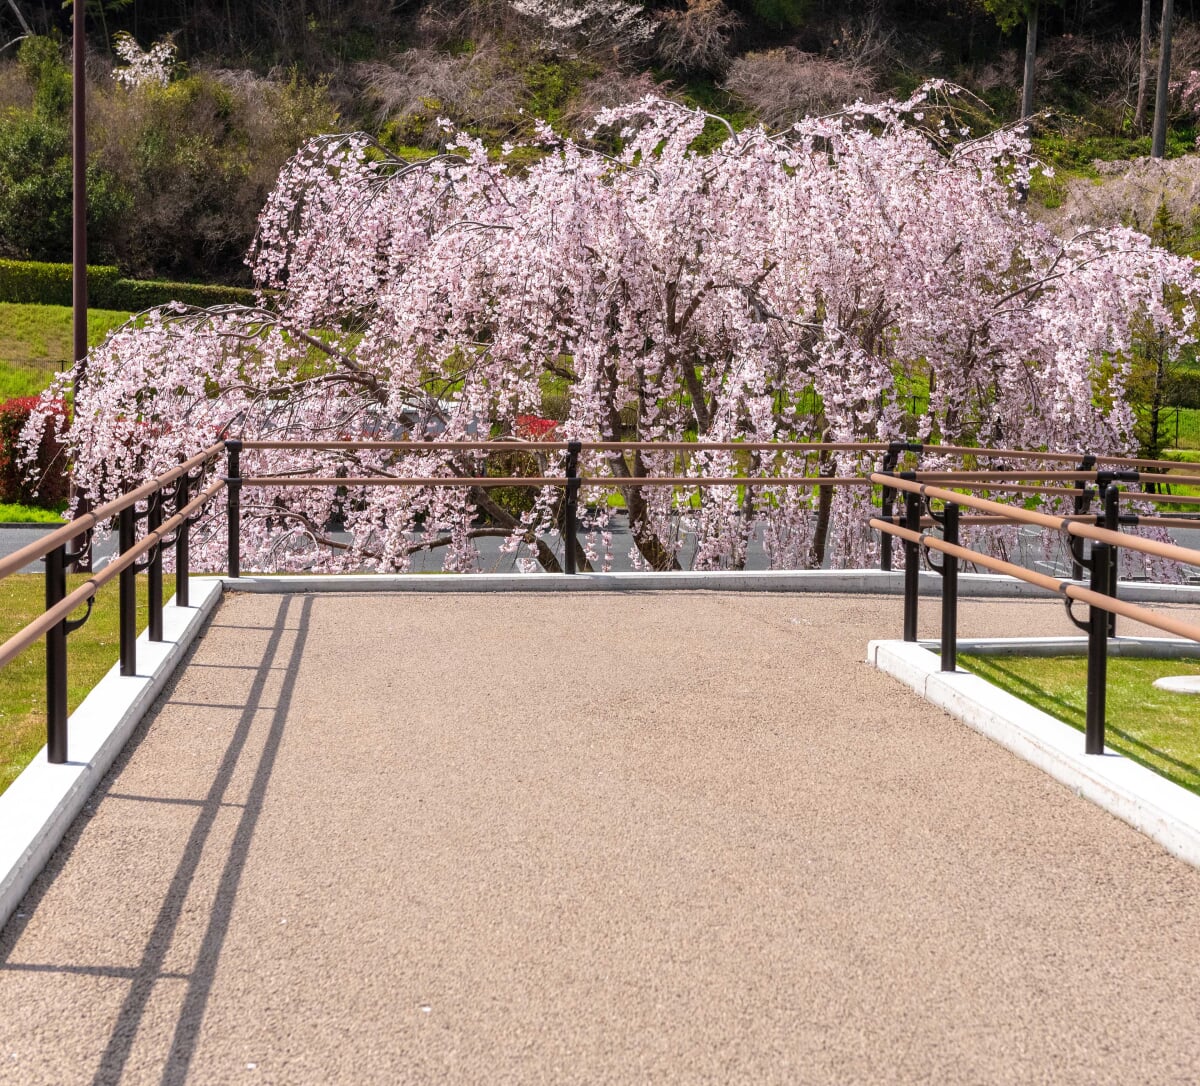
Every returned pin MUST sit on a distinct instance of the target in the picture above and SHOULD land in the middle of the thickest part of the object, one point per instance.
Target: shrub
(696, 39)
(420, 85)
(45, 483)
(783, 85)
(34, 283)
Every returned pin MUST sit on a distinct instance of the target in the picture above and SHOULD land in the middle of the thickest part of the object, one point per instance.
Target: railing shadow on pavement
(277, 656)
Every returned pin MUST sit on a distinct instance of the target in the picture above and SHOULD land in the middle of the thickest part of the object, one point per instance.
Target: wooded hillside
(180, 165)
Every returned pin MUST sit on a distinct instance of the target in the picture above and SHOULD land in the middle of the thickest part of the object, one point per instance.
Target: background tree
(1162, 97)
(781, 287)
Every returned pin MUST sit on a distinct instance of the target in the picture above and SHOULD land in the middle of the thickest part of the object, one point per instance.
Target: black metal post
(127, 596)
(56, 660)
(1097, 668)
(182, 490)
(571, 506)
(1082, 502)
(233, 483)
(887, 503)
(912, 521)
(950, 591)
(1112, 521)
(154, 623)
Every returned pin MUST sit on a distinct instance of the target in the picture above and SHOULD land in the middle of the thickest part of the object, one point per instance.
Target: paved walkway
(586, 838)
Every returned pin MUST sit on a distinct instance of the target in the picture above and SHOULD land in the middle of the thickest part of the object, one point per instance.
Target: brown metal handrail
(54, 623)
(523, 445)
(84, 592)
(1100, 596)
(1151, 547)
(41, 547)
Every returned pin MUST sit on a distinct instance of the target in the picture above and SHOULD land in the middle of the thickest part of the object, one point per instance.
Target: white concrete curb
(810, 580)
(40, 805)
(1136, 795)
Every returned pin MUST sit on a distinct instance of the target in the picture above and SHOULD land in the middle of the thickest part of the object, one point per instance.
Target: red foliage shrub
(44, 483)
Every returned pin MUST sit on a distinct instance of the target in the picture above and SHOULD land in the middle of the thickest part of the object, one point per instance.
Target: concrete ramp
(586, 838)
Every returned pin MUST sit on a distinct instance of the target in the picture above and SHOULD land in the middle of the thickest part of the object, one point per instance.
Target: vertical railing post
(1112, 521)
(233, 484)
(912, 551)
(127, 595)
(154, 587)
(56, 660)
(950, 591)
(183, 489)
(571, 506)
(1082, 501)
(887, 505)
(1097, 666)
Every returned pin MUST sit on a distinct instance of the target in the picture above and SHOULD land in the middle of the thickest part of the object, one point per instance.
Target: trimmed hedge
(46, 484)
(31, 282)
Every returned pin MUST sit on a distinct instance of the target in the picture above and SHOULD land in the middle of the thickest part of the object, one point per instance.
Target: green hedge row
(34, 283)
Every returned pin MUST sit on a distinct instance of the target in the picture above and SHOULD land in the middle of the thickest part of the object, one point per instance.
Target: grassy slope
(35, 343)
(1159, 729)
(91, 651)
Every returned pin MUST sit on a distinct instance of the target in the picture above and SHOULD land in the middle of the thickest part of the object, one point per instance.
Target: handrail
(1100, 596)
(1044, 520)
(554, 480)
(39, 548)
(528, 445)
(27, 635)
(1061, 587)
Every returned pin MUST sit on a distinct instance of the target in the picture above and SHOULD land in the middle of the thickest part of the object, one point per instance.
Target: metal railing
(54, 622)
(1100, 595)
(177, 491)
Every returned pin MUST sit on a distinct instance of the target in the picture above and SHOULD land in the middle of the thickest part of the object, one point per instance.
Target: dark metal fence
(1100, 594)
(174, 489)
(171, 503)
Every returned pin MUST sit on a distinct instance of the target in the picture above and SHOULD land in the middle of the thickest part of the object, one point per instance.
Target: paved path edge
(852, 581)
(1144, 648)
(1162, 810)
(40, 805)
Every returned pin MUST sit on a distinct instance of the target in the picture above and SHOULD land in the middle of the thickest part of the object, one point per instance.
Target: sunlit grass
(91, 651)
(1155, 727)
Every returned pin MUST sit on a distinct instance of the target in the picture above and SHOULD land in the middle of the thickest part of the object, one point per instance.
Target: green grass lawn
(1159, 729)
(15, 513)
(35, 343)
(91, 651)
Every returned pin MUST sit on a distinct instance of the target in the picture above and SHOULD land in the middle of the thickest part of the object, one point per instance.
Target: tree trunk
(820, 539)
(1158, 147)
(1031, 31)
(1139, 112)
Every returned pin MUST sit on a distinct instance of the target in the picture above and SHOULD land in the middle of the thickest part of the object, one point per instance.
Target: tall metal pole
(81, 551)
(79, 302)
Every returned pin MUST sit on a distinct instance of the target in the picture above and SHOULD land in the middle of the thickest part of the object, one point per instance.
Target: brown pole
(81, 552)
(79, 194)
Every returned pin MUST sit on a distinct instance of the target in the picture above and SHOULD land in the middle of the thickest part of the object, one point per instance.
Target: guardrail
(1101, 598)
(177, 490)
(54, 622)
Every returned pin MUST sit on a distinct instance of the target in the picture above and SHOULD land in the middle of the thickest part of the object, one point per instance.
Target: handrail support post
(1112, 521)
(233, 484)
(950, 590)
(571, 507)
(154, 575)
(1097, 663)
(127, 595)
(56, 660)
(183, 489)
(912, 553)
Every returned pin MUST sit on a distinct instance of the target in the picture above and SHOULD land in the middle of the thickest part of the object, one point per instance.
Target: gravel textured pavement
(685, 837)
